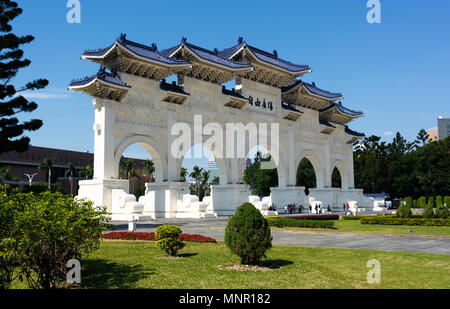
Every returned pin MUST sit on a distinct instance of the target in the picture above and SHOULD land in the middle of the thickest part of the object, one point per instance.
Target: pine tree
(11, 130)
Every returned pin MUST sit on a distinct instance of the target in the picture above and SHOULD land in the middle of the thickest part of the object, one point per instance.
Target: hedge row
(359, 217)
(315, 217)
(151, 236)
(405, 221)
(288, 222)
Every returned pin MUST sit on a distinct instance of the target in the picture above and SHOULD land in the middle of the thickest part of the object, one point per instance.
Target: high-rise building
(443, 127)
(213, 168)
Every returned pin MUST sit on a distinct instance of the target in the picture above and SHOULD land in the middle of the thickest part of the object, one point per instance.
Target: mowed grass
(128, 264)
(355, 226)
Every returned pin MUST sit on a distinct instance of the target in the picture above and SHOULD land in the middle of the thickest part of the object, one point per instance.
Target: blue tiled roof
(271, 58)
(342, 109)
(172, 87)
(382, 194)
(326, 123)
(290, 108)
(149, 52)
(207, 55)
(111, 78)
(354, 133)
(313, 89)
(232, 93)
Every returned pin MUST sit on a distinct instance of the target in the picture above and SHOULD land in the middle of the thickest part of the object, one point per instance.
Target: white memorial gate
(134, 105)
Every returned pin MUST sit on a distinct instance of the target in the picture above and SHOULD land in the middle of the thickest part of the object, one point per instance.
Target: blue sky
(397, 72)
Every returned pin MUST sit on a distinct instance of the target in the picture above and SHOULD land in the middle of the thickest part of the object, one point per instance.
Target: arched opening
(200, 168)
(306, 175)
(137, 165)
(140, 160)
(260, 171)
(336, 180)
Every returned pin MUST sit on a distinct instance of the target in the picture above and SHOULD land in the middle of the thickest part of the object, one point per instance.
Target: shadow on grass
(275, 264)
(186, 255)
(104, 274)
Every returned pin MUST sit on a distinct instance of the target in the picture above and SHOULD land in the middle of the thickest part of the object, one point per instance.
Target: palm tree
(149, 167)
(215, 181)
(87, 172)
(127, 166)
(133, 175)
(5, 174)
(71, 170)
(205, 177)
(196, 174)
(183, 174)
(48, 163)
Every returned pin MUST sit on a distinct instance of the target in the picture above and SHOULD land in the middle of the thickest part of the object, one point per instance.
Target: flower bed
(315, 217)
(151, 237)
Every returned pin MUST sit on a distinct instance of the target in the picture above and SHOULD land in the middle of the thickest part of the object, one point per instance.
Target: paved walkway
(215, 228)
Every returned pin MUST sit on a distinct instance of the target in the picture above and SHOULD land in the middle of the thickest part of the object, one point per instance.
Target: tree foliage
(248, 234)
(403, 168)
(41, 232)
(11, 102)
(261, 179)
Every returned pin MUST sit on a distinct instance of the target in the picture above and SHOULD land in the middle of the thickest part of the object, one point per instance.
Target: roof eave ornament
(122, 38)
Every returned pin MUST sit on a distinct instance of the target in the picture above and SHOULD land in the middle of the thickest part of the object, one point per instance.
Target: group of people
(346, 209)
(318, 210)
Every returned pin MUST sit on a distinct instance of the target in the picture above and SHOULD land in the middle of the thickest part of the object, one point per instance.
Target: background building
(21, 163)
(443, 127)
(433, 134)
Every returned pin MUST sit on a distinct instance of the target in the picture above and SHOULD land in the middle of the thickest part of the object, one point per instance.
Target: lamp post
(30, 178)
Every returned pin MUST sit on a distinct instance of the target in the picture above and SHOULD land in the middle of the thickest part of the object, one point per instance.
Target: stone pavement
(215, 228)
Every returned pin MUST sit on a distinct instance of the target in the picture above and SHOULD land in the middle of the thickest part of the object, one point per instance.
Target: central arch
(313, 157)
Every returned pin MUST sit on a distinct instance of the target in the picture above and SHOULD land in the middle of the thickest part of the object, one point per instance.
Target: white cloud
(50, 94)
(388, 133)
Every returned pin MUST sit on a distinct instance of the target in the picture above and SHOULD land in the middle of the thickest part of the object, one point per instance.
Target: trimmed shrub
(406, 221)
(431, 202)
(447, 201)
(439, 201)
(404, 212)
(414, 204)
(429, 212)
(422, 202)
(288, 222)
(408, 201)
(166, 237)
(248, 234)
(357, 217)
(442, 212)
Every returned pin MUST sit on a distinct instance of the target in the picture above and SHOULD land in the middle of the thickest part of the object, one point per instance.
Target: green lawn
(354, 226)
(121, 264)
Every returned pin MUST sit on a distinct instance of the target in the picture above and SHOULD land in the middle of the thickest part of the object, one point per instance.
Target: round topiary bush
(404, 212)
(429, 212)
(248, 234)
(442, 212)
(166, 237)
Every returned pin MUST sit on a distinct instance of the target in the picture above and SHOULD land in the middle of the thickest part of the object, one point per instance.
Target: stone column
(104, 130)
(172, 164)
(351, 171)
(328, 171)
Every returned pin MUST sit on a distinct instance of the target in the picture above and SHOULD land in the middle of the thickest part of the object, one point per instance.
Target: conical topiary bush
(248, 234)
